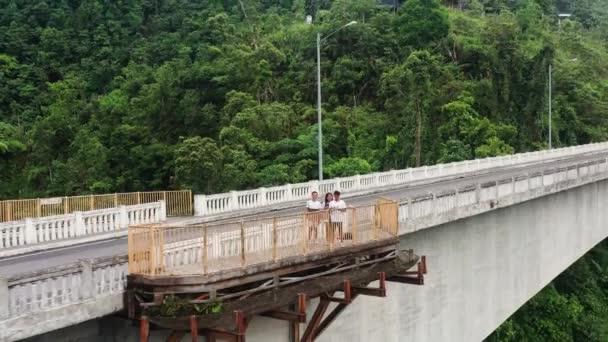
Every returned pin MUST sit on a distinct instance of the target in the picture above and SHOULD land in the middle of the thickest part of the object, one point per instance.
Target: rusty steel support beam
(347, 294)
(412, 277)
(330, 318)
(241, 325)
(406, 280)
(423, 263)
(176, 336)
(314, 321)
(369, 291)
(194, 328)
(286, 316)
(144, 329)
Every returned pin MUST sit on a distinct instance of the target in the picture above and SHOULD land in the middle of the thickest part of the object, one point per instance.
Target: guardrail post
(337, 183)
(5, 302)
(28, 233)
(394, 176)
(79, 228)
(123, 216)
(288, 192)
(200, 205)
(234, 201)
(163, 211)
(262, 197)
(358, 182)
(87, 286)
(411, 174)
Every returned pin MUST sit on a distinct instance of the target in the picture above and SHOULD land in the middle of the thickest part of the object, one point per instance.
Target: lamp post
(319, 117)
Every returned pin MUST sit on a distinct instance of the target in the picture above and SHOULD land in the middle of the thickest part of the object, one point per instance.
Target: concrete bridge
(481, 267)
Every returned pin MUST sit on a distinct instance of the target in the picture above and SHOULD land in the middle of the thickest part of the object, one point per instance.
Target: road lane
(52, 258)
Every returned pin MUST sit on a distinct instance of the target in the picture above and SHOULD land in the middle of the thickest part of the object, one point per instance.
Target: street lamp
(319, 41)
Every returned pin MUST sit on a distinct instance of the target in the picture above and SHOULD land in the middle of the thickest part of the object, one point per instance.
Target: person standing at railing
(328, 198)
(313, 208)
(325, 216)
(337, 209)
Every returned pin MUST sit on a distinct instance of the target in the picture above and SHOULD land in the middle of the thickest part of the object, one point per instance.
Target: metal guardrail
(193, 250)
(179, 203)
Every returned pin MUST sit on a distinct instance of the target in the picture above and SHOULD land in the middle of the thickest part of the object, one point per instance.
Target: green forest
(100, 96)
(130, 95)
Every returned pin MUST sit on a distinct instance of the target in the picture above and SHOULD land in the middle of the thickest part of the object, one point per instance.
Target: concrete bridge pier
(483, 269)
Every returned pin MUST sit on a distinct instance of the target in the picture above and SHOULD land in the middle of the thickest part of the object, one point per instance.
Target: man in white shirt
(313, 206)
(313, 203)
(338, 213)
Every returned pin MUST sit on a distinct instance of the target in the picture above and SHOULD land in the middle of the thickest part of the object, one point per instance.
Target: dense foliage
(128, 95)
(104, 96)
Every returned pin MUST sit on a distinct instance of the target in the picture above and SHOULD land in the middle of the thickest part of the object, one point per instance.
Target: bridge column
(4, 303)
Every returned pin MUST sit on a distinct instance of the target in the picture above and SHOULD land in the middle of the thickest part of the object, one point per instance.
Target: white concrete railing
(414, 213)
(35, 303)
(448, 205)
(32, 234)
(258, 198)
(94, 289)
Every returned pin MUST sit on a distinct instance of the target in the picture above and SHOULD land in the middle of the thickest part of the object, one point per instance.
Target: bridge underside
(483, 269)
(222, 306)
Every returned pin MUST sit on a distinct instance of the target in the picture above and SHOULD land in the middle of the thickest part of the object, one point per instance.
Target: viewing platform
(211, 279)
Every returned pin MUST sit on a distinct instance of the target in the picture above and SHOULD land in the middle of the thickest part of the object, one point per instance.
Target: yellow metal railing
(179, 203)
(203, 249)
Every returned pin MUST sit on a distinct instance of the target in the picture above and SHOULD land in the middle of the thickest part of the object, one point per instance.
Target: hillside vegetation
(130, 95)
(104, 96)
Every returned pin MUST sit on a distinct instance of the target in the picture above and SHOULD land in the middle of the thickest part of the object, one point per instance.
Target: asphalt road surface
(37, 261)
